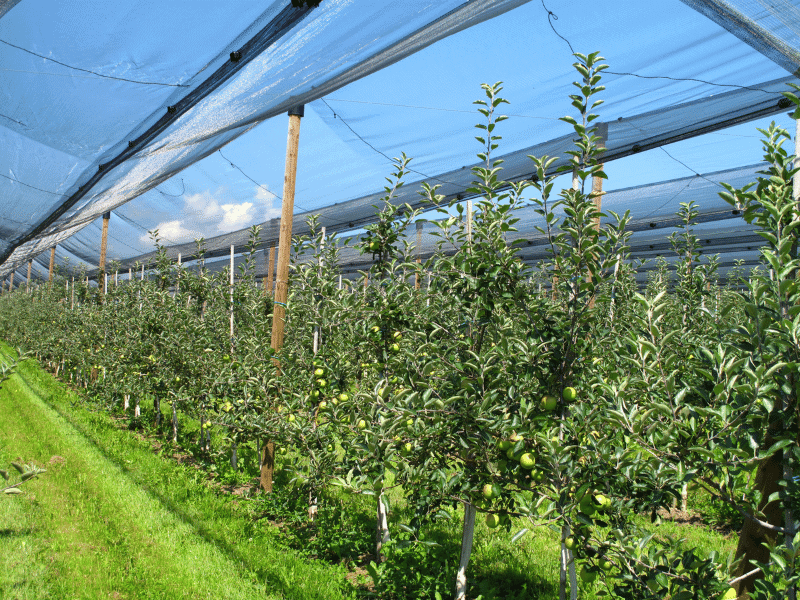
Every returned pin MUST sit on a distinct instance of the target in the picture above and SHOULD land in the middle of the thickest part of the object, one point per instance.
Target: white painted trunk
(126, 402)
(175, 421)
(567, 569)
(382, 530)
(466, 550)
(137, 411)
(313, 507)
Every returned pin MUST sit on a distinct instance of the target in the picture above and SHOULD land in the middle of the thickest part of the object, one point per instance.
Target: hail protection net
(151, 111)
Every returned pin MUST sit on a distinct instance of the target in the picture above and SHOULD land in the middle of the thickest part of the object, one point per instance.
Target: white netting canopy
(172, 115)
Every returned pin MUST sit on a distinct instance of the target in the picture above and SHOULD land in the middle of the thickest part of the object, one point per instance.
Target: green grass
(115, 520)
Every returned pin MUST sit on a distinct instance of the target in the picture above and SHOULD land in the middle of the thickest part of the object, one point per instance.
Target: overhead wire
(355, 133)
(58, 62)
(551, 16)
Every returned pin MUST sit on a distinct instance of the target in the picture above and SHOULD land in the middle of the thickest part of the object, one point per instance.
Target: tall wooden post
(28, 280)
(52, 264)
(282, 283)
(285, 239)
(11, 283)
(269, 282)
(101, 268)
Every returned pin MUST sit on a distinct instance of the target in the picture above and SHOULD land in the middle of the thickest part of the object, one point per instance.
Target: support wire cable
(58, 62)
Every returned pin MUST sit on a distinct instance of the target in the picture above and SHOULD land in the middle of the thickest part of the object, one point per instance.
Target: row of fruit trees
(576, 409)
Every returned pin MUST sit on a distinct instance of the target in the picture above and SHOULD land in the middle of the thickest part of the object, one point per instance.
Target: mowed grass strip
(112, 520)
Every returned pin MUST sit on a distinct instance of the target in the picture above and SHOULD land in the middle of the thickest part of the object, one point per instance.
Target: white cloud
(203, 207)
(266, 201)
(206, 217)
(236, 216)
(172, 232)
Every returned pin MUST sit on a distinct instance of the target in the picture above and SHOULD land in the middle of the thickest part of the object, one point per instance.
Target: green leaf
(776, 447)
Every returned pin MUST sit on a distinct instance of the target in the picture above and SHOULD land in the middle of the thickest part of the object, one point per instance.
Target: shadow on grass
(12, 533)
(275, 581)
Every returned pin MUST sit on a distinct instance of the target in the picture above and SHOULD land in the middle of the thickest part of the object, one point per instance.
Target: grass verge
(112, 520)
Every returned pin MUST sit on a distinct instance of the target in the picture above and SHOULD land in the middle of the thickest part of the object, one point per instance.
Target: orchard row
(579, 408)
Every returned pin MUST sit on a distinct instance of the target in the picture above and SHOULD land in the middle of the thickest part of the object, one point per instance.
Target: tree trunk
(313, 507)
(752, 535)
(175, 421)
(382, 530)
(267, 466)
(466, 550)
(157, 411)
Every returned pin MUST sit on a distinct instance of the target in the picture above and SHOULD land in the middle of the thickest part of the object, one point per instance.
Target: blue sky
(423, 106)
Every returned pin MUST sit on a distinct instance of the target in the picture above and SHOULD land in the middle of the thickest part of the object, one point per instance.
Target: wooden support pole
(52, 264)
(282, 283)
(11, 283)
(28, 280)
(101, 268)
(271, 271)
(285, 239)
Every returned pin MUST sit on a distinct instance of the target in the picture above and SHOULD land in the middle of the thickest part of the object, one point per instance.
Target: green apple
(323, 405)
(343, 397)
(492, 520)
(409, 422)
(487, 491)
(397, 335)
(570, 393)
(606, 564)
(504, 445)
(548, 403)
(290, 418)
(407, 448)
(603, 503)
(586, 505)
(729, 595)
(374, 245)
(322, 383)
(319, 372)
(362, 424)
(527, 461)
(588, 576)
(570, 543)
